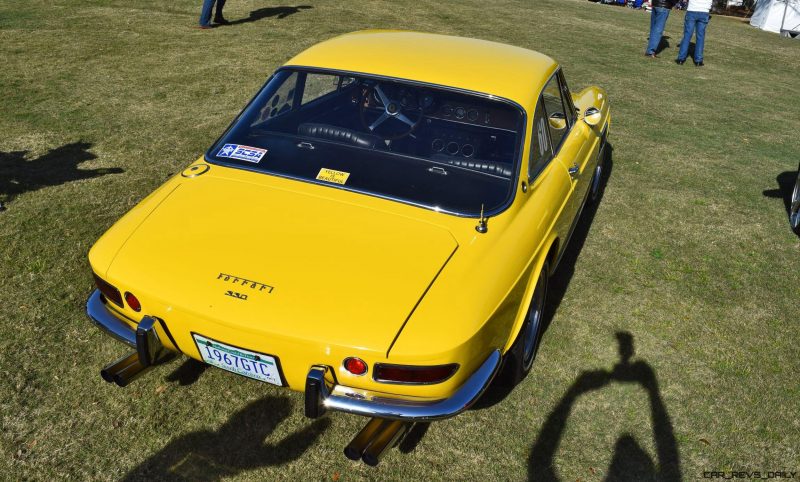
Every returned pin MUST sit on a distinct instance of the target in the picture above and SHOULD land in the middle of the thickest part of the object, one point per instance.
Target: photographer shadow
(239, 445)
(629, 461)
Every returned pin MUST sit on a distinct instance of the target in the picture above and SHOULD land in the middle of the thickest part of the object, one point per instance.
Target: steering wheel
(392, 109)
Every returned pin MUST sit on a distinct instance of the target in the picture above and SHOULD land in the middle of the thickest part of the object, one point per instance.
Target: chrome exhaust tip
(149, 352)
(124, 371)
(386, 438)
(356, 446)
(372, 441)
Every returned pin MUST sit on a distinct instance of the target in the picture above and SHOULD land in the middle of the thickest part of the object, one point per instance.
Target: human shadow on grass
(239, 445)
(629, 461)
(663, 44)
(267, 12)
(19, 175)
(558, 283)
(786, 181)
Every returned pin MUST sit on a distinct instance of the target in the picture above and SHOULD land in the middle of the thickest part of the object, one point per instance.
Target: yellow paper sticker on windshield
(331, 175)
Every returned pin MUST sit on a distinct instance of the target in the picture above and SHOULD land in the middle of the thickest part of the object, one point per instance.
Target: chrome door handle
(574, 171)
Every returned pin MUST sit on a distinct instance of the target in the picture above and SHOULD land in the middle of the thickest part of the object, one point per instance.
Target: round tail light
(133, 302)
(356, 366)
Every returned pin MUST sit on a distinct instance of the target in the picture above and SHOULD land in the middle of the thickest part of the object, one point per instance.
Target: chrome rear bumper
(321, 395)
(98, 312)
(148, 349)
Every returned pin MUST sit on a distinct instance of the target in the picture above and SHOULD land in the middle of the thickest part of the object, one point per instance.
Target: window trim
(532, 175)
(570, 124)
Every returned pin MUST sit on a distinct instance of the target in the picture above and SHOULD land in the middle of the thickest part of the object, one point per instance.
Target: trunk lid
(284, 263)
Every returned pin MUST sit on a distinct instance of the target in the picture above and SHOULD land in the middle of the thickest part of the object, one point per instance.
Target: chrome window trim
(570, 124)
(517, 158)
(533, 175)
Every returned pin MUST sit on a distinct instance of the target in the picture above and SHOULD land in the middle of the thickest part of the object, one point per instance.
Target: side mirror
(592, 116)
(558, 121)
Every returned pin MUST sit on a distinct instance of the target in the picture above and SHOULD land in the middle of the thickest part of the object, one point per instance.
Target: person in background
(205, 14)
(696, 21)
(658, 19)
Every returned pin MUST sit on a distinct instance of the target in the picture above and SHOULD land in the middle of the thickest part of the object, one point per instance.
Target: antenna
(481, 227)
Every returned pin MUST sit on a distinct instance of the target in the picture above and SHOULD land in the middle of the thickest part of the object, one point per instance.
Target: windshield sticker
(330, 175)
(244, 153)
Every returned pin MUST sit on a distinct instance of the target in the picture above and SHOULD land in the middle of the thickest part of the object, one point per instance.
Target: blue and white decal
(244, 153)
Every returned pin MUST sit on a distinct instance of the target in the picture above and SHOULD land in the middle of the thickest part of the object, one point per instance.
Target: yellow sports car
(375, 229)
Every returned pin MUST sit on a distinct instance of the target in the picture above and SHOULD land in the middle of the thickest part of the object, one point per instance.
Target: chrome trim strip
(102, 317)
(403, 409)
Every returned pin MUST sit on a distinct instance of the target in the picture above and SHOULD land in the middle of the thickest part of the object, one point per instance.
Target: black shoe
(699, 64)
(679, 61)
(652, 56)
(221, 20)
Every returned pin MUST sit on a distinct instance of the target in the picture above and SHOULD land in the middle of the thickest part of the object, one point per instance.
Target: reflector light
(414, 374)
(356, 366)
(133, 302)
(110, 292)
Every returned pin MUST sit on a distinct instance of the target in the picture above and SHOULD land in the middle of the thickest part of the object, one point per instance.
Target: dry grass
(689, 251)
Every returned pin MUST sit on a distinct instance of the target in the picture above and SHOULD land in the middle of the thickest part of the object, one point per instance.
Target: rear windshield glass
(436, 148)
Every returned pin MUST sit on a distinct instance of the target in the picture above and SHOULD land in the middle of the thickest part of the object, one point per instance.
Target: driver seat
(339, 134)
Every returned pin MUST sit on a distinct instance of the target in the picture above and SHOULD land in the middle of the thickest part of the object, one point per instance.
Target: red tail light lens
(420, 375)
(111, 293)
(133, 301)
(356, 366)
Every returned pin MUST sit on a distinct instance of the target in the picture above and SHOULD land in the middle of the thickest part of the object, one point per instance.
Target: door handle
(574, 171)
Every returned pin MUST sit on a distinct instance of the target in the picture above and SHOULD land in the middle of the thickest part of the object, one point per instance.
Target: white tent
(769, 15)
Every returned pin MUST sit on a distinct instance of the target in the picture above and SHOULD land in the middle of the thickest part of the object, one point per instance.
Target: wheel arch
(549, 255)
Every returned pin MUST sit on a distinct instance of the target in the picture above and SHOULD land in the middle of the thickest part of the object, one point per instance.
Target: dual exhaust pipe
(149, 353)
(373, 440)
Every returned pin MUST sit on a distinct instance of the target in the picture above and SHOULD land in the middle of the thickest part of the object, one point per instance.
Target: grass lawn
(688, 261)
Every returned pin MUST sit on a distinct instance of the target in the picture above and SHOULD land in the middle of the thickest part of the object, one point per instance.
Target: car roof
(478, 65)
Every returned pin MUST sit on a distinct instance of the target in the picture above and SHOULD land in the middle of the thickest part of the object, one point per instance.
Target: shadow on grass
(630, 461)
(663, 44)
(59, 166)
(786, 181)
(188, 373)
(557, 286)
(237, 446)
(277, 12)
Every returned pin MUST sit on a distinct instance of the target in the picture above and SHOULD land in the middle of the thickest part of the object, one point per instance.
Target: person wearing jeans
(205, 13)
(696, 21)
(658, 19)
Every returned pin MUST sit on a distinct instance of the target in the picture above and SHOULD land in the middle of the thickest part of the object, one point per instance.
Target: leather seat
(339, 134)
(490, 167)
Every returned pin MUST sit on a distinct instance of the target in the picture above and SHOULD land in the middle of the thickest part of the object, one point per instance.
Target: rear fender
(537, 263)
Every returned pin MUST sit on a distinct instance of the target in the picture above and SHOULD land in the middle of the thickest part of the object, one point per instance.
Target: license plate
(238, 360)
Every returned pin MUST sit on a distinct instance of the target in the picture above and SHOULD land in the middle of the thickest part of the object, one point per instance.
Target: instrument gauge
(472, 115)
(460, 112)
(426, 101)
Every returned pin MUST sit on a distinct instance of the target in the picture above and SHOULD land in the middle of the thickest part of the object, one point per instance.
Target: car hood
(284, 263)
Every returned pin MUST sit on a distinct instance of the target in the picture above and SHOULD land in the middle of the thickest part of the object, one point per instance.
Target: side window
(280, 102)
(318, 85)
(571, 112)
(541, 150)
(556, 112)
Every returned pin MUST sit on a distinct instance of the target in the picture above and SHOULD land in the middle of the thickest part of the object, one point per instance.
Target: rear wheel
(523, 351)
(794, 205)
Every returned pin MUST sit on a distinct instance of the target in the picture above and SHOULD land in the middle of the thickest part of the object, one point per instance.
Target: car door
(550, 188)
(571, 142)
